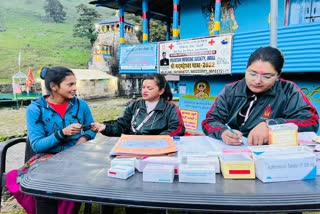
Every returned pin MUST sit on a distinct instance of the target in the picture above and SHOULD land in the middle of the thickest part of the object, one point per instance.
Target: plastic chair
(4, 146)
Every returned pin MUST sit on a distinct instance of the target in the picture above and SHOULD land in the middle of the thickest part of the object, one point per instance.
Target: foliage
(54, 11)
(157, 31)
(85, 27)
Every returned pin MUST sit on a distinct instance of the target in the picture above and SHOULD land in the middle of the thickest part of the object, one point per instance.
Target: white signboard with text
(202, 56)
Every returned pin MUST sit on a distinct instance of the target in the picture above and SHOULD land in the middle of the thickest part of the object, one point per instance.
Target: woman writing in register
(154, 114)
(246, 106)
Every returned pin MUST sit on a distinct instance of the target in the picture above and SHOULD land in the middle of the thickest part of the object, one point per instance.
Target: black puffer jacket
(284, 103)
(166, 120)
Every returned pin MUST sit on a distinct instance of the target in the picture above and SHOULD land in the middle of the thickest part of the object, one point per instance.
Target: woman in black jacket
(244, 108)
(154, 114)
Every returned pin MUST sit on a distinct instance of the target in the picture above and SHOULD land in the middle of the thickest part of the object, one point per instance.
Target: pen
(232, 131)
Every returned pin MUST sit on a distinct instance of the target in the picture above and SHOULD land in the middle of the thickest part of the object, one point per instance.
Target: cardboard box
(275, 164)
(123, 161)
(237, 166)
(121, 171)
(197, 173)
(274, 150)
(283, 134)
(198, 159)
(158, 173)
(141, 163)
(286, 167)
(317, 154)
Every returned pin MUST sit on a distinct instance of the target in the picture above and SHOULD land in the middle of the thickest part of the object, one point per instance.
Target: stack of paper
(144, 146)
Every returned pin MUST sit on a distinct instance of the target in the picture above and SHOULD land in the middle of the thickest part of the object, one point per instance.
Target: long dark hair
(54, 75)
(161, 83)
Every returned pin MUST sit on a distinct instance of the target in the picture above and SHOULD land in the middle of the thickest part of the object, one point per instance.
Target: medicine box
(158, 173)
(237, 166)
(275, 150)
(123, 161)
(200, 159)
(285, 165)
(283, 134)
(121, 171)
(141, 163)
(317, 154)
(197, 173)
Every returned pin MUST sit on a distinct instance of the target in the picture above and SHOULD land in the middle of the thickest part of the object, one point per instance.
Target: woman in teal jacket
(55, 122)
(154, 114)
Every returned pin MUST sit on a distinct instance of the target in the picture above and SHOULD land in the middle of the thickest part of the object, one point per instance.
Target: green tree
(54, 11)
(157, 31)
(85, 26)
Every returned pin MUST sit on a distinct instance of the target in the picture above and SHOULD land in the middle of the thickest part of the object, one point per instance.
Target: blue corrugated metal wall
(300, 45)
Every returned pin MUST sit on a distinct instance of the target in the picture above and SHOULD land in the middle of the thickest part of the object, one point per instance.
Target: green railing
(5, 97)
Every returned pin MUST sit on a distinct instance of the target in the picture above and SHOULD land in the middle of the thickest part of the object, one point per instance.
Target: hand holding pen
(231, 136)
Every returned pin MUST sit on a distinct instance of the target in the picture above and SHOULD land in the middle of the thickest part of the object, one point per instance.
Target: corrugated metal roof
(299, 43)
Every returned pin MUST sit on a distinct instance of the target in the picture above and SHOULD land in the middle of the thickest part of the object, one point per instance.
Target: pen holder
(283, 134)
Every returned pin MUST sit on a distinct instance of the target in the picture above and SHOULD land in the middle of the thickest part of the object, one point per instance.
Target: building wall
(298, 42)
(251, 15)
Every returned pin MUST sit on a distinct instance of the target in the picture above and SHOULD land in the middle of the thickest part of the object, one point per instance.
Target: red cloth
(30, 79)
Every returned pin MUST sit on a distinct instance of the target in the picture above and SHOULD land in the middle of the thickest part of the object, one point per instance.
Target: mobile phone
(86, 127)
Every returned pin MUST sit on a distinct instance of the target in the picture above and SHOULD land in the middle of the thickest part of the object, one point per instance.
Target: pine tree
(54, 11)
(85, 26)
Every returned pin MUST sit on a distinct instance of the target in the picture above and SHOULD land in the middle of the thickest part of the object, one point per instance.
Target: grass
(40, 43)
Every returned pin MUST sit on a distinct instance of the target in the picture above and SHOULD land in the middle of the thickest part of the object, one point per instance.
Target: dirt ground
(12, 123)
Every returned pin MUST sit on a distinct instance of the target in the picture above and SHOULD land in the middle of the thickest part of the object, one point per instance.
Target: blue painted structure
(299, 42)
(298, 38)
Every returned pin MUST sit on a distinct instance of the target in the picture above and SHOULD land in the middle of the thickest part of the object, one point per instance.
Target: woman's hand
(259, 135)
(232, 139)
(72, 129)
(98, 127)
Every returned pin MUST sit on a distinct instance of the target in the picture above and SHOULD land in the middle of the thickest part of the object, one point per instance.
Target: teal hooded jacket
(44, 125)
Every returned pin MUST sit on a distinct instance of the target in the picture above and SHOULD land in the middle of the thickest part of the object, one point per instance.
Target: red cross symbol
(171, 46)
(211, 42)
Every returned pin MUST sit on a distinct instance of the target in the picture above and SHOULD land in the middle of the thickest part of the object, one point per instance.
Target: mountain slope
(40, 43)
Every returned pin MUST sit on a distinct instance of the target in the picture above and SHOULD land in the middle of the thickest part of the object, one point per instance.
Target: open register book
(144, 145)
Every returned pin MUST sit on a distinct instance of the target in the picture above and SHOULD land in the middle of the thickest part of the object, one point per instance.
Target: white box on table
(123, 161)
(158, 173)
(285, 165)
(197, 173)
(200, 159)
(141, 163)
(121, 171)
